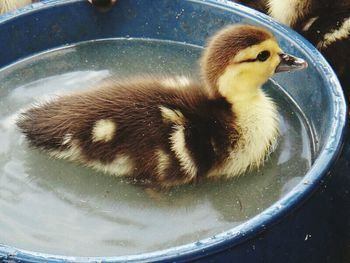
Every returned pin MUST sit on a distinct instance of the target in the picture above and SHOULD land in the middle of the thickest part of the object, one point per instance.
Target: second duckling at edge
(167, 132)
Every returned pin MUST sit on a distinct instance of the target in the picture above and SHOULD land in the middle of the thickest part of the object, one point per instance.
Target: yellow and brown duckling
(260, 5)
(325, 23)
(167, 132)
(328, 28)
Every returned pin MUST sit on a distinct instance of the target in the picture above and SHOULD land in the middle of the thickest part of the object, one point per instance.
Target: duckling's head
(240, 58)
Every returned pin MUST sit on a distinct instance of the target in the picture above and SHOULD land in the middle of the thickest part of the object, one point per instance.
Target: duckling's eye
(263, 55)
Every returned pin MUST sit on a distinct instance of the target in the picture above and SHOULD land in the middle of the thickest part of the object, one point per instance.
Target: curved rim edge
(258, 223)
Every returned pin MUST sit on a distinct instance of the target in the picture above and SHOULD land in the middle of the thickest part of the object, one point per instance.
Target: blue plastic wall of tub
(311, 223)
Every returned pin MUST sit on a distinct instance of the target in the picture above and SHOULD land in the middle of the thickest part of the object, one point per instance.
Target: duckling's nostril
(290, 63)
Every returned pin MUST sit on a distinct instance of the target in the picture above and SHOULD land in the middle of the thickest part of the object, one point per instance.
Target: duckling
(166, 132)
(10, 5)
(260, 5)
(326, 24)
(295, 13)
(331, 35)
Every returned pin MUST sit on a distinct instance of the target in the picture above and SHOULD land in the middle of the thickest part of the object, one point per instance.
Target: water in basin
(58, 207)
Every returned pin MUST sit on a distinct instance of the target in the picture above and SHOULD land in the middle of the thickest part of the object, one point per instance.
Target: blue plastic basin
(278, 233)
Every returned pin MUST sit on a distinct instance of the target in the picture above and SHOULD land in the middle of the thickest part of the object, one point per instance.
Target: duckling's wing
(108, 115)
(155, 133)
(203, 130)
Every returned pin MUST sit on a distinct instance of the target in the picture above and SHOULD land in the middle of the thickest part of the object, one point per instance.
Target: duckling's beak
(290, 63)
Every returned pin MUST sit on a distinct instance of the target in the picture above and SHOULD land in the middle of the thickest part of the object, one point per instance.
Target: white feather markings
(176, 82)
(178, 146)
(341, 33)
(67, 138)
(171, 115)
(103, 130)
(121, 165)
(288, 12)
(163, 162)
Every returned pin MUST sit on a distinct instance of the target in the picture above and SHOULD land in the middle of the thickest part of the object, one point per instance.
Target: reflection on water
(58, 207)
